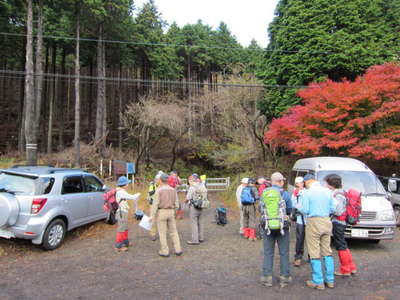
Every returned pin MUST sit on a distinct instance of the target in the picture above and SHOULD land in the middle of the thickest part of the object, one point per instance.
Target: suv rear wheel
(54, 234)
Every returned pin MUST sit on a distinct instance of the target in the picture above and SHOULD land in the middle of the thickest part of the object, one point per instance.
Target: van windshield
(364, 182)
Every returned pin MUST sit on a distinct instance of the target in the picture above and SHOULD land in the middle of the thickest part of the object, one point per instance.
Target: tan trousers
(197, 225)
(166, 222)
(153, 230)
(318, 237)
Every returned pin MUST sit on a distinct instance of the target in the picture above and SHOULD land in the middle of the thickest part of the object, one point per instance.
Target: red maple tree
(358, 119)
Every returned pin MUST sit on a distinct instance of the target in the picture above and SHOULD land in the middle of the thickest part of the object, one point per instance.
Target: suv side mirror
(104, 188)
(392, 185)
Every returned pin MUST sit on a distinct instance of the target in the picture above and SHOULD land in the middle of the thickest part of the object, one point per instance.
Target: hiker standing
(243, 183)
(197, 191)
(165, 203)
(300, 221)
(174, 181)
(249, 197)
(122, 197)
(317, 205)
(347, 266)
(151, 195)
(276, 206)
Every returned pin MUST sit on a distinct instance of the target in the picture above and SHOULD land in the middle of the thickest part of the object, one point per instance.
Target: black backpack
(220, 216)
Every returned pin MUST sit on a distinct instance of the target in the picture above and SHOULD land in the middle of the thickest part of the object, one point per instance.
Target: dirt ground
(225, 266)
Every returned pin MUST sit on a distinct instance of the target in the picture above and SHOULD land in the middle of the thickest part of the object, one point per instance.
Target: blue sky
(246, 19)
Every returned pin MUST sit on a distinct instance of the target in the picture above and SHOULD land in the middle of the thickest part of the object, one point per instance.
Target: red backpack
(353, 207)
(110, 201)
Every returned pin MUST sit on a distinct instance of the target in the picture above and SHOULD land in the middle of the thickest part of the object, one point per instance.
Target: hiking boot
(338, 273)
(312, 285)
(201, 241)
(354, 273)
(285, 280)
(297, 262)
(163, 255)
(153, 238)
(122, 249)
(330, 285)
(192, 243)
(178, 253)
(266, 281)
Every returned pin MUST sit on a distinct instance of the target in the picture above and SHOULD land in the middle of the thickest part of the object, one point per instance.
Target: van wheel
(397, 215)
(373, 241)
(54, 234)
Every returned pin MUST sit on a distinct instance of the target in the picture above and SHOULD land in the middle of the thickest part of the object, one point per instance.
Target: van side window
(302, 173)
(292, 177)
(72, 185)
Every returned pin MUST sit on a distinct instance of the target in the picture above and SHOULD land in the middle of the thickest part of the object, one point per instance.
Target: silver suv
(42, 203)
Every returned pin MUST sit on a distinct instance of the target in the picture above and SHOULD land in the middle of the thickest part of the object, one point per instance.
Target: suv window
(72, 185)
(44, 185)
(18, 184)
(92, 184)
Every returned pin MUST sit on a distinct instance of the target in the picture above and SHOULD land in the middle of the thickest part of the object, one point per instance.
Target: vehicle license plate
(6, 234)
(359, 233)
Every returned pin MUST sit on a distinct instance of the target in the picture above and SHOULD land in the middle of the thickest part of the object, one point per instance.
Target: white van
(377, 220)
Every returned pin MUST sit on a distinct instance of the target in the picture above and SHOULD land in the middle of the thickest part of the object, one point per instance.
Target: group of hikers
(165, 207)
(319, 211)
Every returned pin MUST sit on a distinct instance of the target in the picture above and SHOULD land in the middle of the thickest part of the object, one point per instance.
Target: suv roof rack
(64, 170)
(30, 166)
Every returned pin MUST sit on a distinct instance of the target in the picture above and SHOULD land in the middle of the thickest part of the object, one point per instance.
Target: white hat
(299, 179)
(245, 180)
(277, 176)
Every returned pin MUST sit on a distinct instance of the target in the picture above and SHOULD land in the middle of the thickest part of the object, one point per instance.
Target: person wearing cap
(317, 204)
(243, 183)
(300, 220)
(196, 219)
(249, 210)
(122, 197)
(166, 202)
(152, 191)
(276, 237)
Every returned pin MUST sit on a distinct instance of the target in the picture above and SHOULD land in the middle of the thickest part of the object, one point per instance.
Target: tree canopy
(318, 39)
(359, 119)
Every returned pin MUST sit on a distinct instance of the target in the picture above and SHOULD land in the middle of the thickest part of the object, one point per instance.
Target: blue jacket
(317, 201)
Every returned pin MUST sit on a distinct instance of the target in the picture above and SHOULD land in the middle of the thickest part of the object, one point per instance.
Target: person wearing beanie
(122, 197)
(196, 190)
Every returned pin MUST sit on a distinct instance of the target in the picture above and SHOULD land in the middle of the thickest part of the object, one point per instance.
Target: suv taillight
(37, 205)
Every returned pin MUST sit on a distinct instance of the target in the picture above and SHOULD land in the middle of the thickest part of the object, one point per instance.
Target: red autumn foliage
(358, 119)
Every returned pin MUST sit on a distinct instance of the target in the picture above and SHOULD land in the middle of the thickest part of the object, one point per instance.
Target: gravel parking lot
(224, 267)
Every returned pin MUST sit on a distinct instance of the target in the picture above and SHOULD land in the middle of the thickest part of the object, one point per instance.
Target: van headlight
(386, 215)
